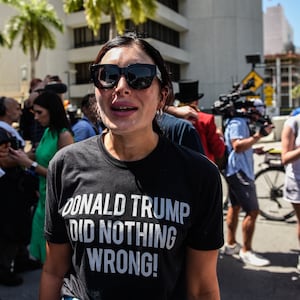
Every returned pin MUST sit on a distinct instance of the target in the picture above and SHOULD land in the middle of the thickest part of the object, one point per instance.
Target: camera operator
(240, 177)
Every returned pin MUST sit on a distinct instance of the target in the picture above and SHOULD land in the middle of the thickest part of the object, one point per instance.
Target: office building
(277, 31)
(205, 40)
(282, 63)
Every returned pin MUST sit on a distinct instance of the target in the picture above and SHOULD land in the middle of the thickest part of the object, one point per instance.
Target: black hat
(188, 91)
(56, 87)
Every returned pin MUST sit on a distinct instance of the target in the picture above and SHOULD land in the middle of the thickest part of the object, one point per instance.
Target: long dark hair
(131, 38)
(53, 103)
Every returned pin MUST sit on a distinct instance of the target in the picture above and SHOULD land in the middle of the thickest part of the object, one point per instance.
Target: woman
(129, 214)
(49, 112)
(290, 154)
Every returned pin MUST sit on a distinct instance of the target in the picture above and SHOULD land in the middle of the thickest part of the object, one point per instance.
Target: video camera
(228, 105)
(6, 137)
(233, 105)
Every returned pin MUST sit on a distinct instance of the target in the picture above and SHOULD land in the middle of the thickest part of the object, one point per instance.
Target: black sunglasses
(138, 76)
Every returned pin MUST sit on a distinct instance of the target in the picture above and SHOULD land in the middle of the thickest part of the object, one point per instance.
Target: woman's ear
(163, 97)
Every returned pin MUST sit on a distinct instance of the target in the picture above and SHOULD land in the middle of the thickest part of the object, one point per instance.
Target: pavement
(276, 240)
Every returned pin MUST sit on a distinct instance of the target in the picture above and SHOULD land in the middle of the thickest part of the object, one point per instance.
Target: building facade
(277, 30)
(282, 72)
(206, 40)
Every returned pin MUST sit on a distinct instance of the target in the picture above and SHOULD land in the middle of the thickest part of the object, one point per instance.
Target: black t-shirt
(181, 132)
(129, 223)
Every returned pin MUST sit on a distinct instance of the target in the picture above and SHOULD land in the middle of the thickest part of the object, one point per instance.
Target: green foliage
(296, 92)
(94, 9)
(32, 25)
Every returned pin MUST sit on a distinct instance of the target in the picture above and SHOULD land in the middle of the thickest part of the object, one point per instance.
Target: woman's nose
(122, 83)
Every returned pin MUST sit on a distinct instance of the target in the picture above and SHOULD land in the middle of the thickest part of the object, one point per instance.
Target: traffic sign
(268, 91)
(269, 100)
(258, 80)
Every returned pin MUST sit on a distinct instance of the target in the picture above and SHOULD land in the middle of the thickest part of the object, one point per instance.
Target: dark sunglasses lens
(107, 76)
(140, 76)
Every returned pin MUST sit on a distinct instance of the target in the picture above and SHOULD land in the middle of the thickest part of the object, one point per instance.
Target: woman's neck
(130, 147)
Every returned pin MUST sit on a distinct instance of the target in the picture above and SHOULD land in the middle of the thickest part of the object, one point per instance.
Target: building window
(174, 70)
(173, 4)
(84, 37)
(151, 29)
(83, 73)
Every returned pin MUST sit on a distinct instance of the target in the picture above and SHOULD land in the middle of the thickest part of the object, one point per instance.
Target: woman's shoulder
(83, 150)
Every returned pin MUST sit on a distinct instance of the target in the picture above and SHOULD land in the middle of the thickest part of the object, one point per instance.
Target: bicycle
(269, 183)
(269, 188)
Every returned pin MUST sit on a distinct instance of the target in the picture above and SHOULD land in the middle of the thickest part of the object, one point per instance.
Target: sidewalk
(277, 241)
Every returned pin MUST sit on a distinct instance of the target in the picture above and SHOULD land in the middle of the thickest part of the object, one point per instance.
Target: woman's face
(124, 109)
(42, 115)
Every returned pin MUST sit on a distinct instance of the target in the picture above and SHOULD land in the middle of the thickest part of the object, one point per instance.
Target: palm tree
(296, 92)
(139, 10)
(32, 25)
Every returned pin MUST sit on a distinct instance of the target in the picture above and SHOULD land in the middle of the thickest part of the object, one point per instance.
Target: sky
(292, 13)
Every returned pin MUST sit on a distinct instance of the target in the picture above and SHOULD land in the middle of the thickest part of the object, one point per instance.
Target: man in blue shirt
(90, 124)
(181, 132)
(240, 177)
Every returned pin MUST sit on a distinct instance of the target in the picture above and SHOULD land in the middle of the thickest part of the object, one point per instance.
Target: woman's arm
(201, 275)
(57, 264)
(184, 112)
(288, 151)
(65, 138)
(22, 159)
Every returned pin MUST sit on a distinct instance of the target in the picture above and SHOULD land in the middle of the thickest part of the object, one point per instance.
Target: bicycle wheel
(269, 187)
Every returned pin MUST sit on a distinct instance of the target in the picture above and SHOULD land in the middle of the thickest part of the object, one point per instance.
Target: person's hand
(266, 129)
(20, 157)
(220, 132)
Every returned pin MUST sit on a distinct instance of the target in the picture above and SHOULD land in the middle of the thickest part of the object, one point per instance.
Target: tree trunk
(112, 27)
(32, 64)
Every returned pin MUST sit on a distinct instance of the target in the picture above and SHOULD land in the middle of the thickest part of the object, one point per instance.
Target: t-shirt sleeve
(54, 223)
(191, 139)
(207, 228)
(236, 129)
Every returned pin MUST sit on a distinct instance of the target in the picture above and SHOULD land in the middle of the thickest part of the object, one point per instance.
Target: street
(276, 240)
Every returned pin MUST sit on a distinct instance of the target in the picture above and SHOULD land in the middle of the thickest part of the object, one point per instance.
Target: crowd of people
(125, 201)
